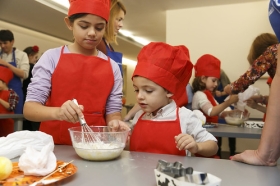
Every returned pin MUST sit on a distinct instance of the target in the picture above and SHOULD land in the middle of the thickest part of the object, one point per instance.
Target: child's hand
(186, 142)
(70, 112)
(118, 125)
(233, 99)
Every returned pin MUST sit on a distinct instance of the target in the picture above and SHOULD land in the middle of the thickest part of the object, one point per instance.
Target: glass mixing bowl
(107, 145)
(237, 117)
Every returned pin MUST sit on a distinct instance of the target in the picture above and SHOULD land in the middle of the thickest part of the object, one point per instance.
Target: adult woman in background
(17, 61)
(268, 151)
(32, 53)
(117, 13)
(262, 58)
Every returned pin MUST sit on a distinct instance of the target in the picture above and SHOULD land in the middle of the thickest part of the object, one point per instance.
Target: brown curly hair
(259, 46)
(198, 85)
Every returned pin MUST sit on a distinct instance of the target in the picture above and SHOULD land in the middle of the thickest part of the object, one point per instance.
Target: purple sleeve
(39, 88)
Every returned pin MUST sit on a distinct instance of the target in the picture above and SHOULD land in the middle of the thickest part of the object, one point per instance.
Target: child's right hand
(186, 142)
(233, 99)
(70, 112)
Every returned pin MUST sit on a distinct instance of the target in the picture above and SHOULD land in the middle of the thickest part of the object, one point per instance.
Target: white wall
(225, 31)
(25, 37)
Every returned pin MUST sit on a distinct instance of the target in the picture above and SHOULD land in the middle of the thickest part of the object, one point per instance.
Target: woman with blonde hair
(117, 13)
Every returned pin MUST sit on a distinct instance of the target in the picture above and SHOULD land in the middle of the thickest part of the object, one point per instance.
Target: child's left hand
(118, 125)
(186, 142)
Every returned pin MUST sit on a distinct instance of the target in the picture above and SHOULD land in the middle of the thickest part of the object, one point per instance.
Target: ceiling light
(63, 6)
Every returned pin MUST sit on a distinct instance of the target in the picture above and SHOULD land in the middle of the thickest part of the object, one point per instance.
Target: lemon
(6, 167)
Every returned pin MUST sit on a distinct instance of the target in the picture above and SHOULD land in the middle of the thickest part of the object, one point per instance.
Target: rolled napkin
(200, 116)
(249, 92)
(15, 143)
(38, 163)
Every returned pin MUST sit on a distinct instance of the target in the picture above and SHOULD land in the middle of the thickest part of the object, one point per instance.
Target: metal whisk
(88, 136)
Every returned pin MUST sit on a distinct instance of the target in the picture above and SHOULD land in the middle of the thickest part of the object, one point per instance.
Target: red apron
(156, 136)
(210, 97)
(6, 125)
(89, 79)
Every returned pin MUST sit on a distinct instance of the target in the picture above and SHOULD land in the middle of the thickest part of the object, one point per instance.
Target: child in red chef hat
(162, 126)
(79, 71)
(8, 101)
(207, 75)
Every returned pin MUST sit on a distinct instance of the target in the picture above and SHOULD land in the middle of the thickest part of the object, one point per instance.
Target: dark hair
(197, 84)
(260, 44)
(32, 50)
(6, 35)
(73, 17)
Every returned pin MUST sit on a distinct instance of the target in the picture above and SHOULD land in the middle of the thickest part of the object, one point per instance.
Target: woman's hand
(251, 157)
(186, 142)
(252, 103)
(227, 89)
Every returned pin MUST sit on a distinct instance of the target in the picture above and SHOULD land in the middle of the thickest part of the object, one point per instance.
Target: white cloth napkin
(249, 92)
(15, 143)
(200, 116)
(38, 163)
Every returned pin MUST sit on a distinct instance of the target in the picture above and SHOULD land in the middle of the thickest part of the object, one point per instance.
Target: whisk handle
(81, 120)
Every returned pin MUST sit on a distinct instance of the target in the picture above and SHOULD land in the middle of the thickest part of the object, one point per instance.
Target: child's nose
(91, 32)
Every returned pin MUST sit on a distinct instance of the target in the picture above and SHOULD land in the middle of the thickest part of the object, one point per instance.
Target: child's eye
(83, 26)
(149, 91)
(99, 28)
(136, 91)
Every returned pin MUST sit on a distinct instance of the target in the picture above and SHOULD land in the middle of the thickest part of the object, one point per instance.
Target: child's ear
(169, 95)
(203, 79)
(68, 23)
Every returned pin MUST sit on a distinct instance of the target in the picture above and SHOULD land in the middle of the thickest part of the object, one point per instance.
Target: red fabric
(6, 74)
(168, 66)
(269, 81)
(97, 7)
(80, 77)
(156, 136)
(6, 125)
(208, 65)
(210, 97)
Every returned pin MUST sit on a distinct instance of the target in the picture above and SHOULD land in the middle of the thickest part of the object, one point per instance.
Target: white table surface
(137, 169)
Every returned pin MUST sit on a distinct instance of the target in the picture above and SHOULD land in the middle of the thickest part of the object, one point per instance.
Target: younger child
(160, 79)
(8, 101)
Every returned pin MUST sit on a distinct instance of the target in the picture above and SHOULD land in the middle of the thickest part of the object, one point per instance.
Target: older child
(8, 101)
(160, 79)
(78, 71)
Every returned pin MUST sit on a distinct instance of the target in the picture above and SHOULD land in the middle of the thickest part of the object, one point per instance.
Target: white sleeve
(191, 125)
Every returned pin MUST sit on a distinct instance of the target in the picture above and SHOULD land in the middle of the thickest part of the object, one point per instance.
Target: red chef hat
(208, 65)
(6, 74)
(167, 66)
(269, 81)
(97, 7)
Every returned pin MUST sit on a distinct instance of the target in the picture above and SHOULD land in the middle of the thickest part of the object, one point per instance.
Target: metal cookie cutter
(178, 171)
